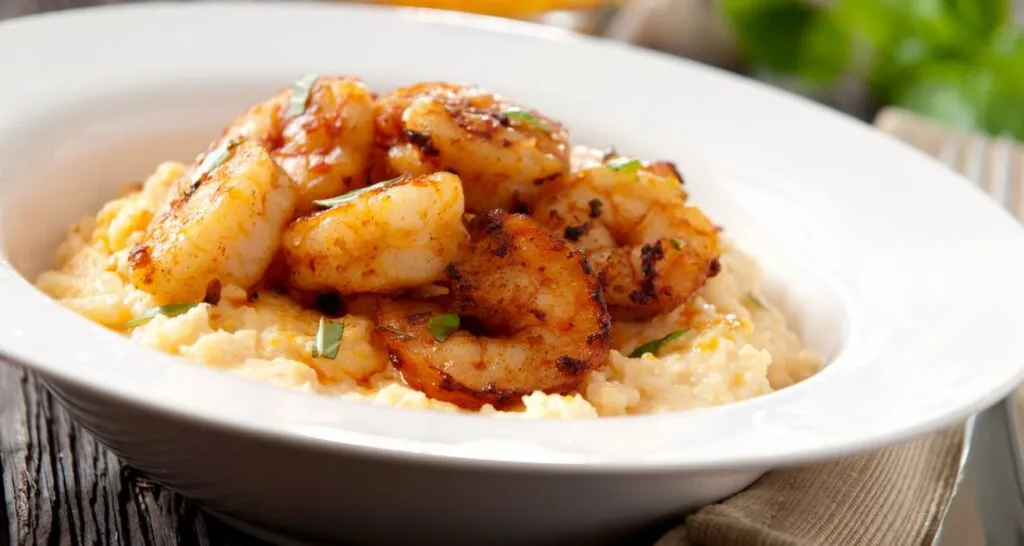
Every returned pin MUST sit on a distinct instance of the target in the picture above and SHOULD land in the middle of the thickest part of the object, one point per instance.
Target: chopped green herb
(328, 339)
(676, 244)
(755, 301)
(397, 332)
(169, 310)
(443, 326)
(624, 165)
(518, 114)
(213, 160)
(300, 94)
(655, 345)
(345, 198)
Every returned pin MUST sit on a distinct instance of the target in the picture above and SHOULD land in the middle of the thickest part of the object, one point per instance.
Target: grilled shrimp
(535, 296)
(650, 248)
(502, 153)
(319, 130)
(393, 235)
(225, 225)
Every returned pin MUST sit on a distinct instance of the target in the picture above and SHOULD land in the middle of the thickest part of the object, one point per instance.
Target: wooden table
(60, 486)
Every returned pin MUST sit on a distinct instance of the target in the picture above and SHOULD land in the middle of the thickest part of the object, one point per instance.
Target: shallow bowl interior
(831, 209)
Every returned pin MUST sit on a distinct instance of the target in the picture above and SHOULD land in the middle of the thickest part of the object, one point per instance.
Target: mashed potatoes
(736, 345)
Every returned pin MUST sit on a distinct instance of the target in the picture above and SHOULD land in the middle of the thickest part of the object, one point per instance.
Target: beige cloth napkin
(897, 495)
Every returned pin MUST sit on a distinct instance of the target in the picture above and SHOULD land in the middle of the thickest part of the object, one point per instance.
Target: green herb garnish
(755, 301)
(957, 62)
(443, 326)
(624, 165)
(169, 310)
(300, 94)
(345, 198)
(655, 345)
(518, 114)
(397, 332)
(676, 244)
(328, 339)
(213, 160)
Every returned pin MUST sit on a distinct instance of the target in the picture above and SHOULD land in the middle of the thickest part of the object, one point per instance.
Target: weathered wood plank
(60, 487)
(18, 8)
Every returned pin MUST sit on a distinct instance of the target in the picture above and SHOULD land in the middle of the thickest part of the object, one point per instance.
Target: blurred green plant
(957, 61)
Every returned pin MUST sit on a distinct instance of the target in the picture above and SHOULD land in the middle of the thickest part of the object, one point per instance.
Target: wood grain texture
(17, 8)
(62, 488)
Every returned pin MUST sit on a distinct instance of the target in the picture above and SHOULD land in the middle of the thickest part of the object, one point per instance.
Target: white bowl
(906, 278)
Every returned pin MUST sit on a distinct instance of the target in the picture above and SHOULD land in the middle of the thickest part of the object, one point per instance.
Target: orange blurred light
(507, 8)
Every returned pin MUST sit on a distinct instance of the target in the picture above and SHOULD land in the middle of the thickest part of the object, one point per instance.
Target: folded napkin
(896, 495)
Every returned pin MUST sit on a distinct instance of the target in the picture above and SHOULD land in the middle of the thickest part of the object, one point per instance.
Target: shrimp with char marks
(320, 130)
(652, 250)
(504, 154)
(225, 226)
(536, 297)
(391, 236)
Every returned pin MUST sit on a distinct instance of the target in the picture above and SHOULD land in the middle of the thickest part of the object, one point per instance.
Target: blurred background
(959, 62)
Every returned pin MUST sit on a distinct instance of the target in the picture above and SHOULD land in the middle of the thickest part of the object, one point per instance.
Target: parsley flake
(213, 160)
(755, 301)
(346, 197)
(655, 345)
(169, 310)
(300, 94)
(443, 326)
(624, 165)
(518, 114)
(328, 339)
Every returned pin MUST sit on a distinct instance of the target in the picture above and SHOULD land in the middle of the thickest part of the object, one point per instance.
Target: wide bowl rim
(468, 439)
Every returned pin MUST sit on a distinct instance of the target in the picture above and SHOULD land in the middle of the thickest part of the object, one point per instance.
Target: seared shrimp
(502, 153)
(533, 293)
(320, 130)
(651, 249)
(225, 225)
(393, 235)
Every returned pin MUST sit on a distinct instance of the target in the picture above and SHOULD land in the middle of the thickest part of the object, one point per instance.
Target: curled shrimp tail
(503, 159)
(321, 134)
(393, 236)
(651, 249)
(222, 223)
(536, 296)
(650, 279)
